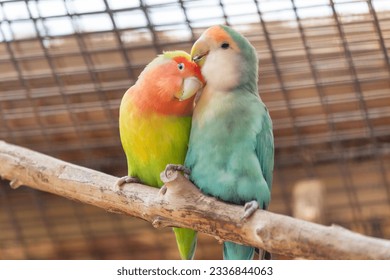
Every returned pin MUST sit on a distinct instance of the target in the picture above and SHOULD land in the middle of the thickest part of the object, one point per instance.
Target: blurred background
(324, 75)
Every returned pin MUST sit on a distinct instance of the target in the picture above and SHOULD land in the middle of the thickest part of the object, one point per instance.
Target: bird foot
(163, 190)
(249, 209)
(168, 175)
(177, 167)
(126, 180)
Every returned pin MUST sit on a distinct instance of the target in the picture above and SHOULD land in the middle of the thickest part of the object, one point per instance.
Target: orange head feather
(162, 84)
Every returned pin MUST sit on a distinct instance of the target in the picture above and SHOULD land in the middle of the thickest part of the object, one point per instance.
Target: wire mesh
(65, 64)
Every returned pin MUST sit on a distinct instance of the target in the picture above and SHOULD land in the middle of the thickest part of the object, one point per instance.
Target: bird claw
(249, 209)
(177, 167)
(126, 180)
(163, 190)
(170, 174)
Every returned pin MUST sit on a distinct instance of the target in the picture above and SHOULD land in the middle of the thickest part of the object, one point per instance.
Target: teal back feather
(231, 156)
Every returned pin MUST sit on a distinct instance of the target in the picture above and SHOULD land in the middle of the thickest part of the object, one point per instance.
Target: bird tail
(233, 251)
(186, 242)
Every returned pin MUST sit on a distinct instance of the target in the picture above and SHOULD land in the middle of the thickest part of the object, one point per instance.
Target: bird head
(186, 78)
(169, 83)
(227, 59)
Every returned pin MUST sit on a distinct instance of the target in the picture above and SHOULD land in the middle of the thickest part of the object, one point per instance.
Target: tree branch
(184, 205)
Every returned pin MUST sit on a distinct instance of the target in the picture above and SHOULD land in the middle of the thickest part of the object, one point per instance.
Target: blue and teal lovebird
(231, 147)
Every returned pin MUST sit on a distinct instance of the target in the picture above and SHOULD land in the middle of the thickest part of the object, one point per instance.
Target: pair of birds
(225, 140)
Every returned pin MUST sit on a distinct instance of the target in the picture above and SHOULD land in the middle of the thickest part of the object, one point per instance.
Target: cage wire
(65, 64)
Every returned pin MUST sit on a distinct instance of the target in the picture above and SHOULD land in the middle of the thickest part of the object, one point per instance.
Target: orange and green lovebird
(155, 122)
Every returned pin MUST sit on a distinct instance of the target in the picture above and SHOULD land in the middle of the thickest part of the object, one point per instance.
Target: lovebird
(155, 122)
(231, 148)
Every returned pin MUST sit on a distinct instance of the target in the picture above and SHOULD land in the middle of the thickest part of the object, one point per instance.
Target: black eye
(225, 45)
(180, 66)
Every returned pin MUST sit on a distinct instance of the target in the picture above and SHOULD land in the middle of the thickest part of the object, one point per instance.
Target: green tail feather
(186, 242)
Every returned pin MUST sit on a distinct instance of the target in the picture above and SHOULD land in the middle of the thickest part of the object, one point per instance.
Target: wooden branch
(184, 206)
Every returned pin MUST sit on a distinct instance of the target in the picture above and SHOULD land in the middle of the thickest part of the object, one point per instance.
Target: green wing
(265, 147)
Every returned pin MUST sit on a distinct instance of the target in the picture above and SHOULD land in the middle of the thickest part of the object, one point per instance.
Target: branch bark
(183, 205)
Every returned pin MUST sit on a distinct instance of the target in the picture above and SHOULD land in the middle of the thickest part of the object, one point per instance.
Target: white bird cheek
(221, 69)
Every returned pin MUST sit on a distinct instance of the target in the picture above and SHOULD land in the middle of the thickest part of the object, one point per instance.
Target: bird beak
(199, 51)
(191, 86)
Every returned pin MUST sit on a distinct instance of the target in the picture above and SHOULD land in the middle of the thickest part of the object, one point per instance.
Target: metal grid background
(65, 64)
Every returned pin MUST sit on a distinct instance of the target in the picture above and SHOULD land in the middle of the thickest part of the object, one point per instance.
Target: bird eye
(225, 45)
(180, 66)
